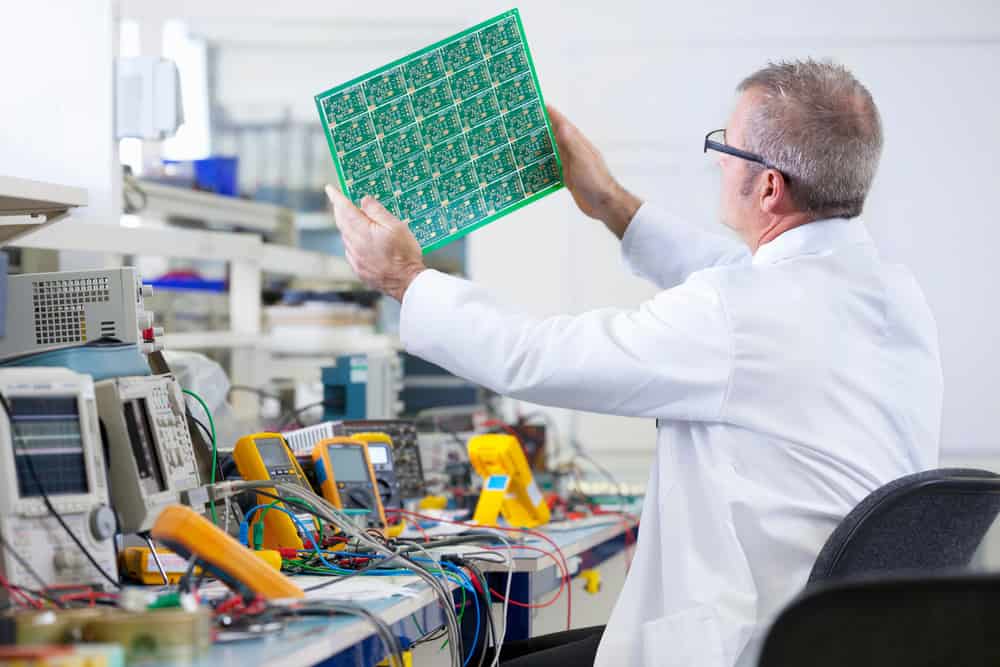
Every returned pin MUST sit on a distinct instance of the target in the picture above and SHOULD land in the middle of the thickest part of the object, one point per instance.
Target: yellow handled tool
(190, 534)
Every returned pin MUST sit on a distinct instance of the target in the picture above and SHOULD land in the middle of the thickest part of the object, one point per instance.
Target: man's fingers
(335, 195)
(378, 213)
(555, 115)
(345, 213)
(566, 133)
(351, 238)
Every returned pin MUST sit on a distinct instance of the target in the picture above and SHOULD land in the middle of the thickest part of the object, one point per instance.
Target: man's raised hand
(587, 177)
(379, 246)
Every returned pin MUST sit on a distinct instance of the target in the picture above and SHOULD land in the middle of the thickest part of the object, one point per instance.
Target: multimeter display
(272, 452)
(379, 455)
(346, 477)
(349, 464)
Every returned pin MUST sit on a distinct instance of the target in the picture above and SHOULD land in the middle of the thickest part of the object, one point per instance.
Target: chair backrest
(928, 521)
(944, 621)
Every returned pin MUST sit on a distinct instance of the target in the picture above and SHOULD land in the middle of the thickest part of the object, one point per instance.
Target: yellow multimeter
(345, 476)
(266, 456)
(508, 486)
(190, 534)
(383, 464)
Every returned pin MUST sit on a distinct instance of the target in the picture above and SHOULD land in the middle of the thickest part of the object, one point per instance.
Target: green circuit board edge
(400, 172)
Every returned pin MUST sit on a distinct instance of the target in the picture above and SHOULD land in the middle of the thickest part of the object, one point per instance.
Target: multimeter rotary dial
(360, 498)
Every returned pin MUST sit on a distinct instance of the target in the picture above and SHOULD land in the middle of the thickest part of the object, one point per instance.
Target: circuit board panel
(449, 138)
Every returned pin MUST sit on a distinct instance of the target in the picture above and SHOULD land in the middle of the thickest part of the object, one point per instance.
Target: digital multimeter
(346, 478)
(508, 486)
(381, 454)
(266, 456)
(189, 534)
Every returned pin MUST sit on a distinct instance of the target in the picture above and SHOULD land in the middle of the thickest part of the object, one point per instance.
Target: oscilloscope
(149, 445)
(51, 444)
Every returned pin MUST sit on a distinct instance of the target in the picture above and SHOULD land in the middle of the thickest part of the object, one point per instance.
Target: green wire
(215, 449)
(416, 622)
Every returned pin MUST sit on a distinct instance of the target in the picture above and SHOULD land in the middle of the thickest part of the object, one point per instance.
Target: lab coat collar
(813, 238)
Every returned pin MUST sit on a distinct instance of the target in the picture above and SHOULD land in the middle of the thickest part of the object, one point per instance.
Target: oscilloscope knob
(64, 560)
(102, 523)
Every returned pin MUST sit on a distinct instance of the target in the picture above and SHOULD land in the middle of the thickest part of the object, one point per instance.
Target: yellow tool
(266, 456)
(190, 534)
(346, 478)
(380, 453)
(138, 563)
(508, 486)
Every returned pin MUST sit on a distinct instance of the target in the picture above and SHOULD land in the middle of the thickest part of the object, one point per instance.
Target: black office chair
(928, 521)
(945, 621)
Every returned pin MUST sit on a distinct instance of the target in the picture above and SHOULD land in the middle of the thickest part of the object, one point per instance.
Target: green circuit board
(449, 138)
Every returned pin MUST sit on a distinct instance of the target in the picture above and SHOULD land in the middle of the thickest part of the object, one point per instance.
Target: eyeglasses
(716, 141)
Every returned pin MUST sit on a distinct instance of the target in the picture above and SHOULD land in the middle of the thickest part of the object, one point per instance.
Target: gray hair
(820, 127)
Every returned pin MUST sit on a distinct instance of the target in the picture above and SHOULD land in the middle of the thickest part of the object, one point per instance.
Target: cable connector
(258, 535)
(244, 532)
(222, 490)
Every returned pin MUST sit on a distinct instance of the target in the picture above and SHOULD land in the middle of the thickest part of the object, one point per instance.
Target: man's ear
(773, 192)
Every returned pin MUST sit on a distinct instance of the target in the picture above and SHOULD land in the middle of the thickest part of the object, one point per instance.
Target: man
(790, 375)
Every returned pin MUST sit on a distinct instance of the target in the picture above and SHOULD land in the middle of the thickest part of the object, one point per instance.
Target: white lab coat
(786, 387)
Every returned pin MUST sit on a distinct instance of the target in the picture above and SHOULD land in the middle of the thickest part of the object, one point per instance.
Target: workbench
(343, 641)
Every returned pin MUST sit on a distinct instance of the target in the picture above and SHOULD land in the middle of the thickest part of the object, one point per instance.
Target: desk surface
(572, 539)
(310, 641)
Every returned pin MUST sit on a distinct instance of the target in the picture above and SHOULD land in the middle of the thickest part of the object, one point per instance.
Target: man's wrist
(407, 278)
(622, 207)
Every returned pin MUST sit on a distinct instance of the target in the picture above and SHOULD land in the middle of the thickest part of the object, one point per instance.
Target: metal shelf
(253, 355)
(171, 201)
(155, 241)
(333, 344)
(191, 244)
(208, 340)
(27, 205)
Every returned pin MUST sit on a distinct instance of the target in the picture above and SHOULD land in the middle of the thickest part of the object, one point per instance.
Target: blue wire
(463, 579)
(295, 520)
(467, 583)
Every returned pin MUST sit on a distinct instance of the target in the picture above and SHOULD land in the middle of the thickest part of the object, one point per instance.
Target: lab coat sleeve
(669, 358)
(666, 250)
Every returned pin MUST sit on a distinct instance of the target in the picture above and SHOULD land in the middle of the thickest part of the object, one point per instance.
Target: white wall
(56, 112)
(647, 98)
(646, 80)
